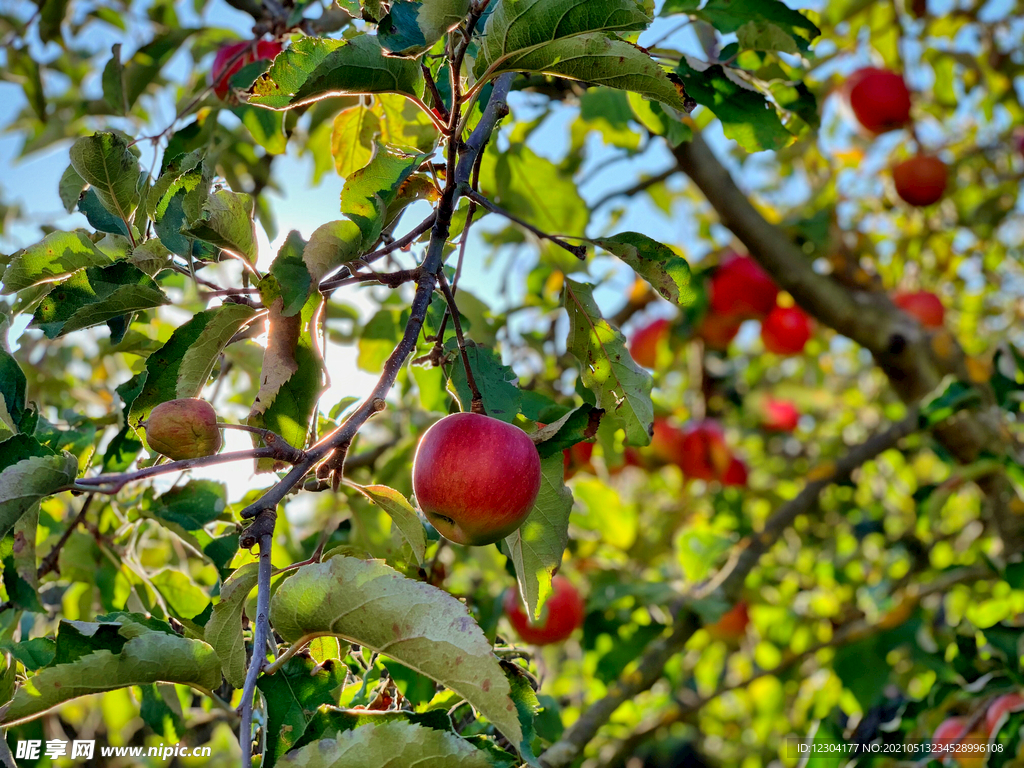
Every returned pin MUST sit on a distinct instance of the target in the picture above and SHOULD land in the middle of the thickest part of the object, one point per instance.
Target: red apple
(183, 429)
(718, 331)
(948, 735)
(643, 347)
(577, 459)
(231, 58)
(878, 98)
(667, 441)
(785, 331)
(740, 288)
(1008, 702)
(736, 474)
(733, 624)
(779, 415)
(923, 305)
(561, 615)
(703, 452)
(475, 478)
(921, 180)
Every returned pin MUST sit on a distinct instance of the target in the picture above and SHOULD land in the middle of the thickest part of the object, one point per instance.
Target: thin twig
(477, 405)
(345, 273)
(579, 251)
(259, 646)
(637, 188)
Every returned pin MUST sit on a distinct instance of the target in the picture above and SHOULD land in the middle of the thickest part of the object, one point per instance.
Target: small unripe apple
(733, 624)
(1008, 702)
(718, 331)
(183, 429)
(740, 288)
(921, 180)
(475, 478)
(949, 734)
(231, 58)
(643, 347)
(786, 331)
(704, 454)
(736, 474)
(923, 305)
(561, 615)
(878, 98)
(779, 415)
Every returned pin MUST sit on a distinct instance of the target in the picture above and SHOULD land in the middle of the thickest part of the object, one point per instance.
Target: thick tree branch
(261, 632)
(915, 361)
(745, 556)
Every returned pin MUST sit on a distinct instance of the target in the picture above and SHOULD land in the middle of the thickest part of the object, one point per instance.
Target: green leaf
(226, 222)
(31, 480)
(316, 68)
(145, 65)
(293, 696)
(328, 721)
(956, 397)
(622, 388)
(265, 126)
(56, 256)
(352, 139)
(100, 218)
(418, 625)
(498, 384)
(105, 162)
(291, 378)
(369, 191)
(536, 547)
(378, 338)
(293, 279)
(151, 256)
(181, 367)
(26, 73)
(413, 26)
(224, 629)
(401, 513)
(185, 599)
(12, 391)
(177, 199)
(113, 83)
(147, 657)
(570, 428)
(192, 505)
(519, 27)
(70, 188)
(602, 60)
(666, 271)
(764, 25)
(94, 295)
(700, 548)
(397, 743)
(51, 16)
(746, 115)
(331, 245)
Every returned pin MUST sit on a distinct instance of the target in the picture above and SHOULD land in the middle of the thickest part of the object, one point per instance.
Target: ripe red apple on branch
(740, 288)
(953, 741)
(718, 331)
(703, 453)
(577, 459)
(560, 617)
(183, 429)
(733, 624)
(779, 415)
(475, 478)
(924, 305)
(878, 98)
(643, 347)
(231, 58)
(921, 180)
(786, 331)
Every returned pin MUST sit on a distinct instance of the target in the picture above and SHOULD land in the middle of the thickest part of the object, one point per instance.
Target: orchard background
(756, 302)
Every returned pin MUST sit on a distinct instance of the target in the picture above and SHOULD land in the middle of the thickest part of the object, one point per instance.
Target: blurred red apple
(779, 415)
(703, 452)
(667, 441)
(921, 180)
(577, 459)
(718, 331)
(561, 615)
(948, 735)
(733, 624)
(923, 305)
(736, 474)
(786, 331)
(231, 58)
(1009, 702)
(740, 288)
(475, 478)
(643, 347)
(878, 98)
